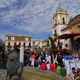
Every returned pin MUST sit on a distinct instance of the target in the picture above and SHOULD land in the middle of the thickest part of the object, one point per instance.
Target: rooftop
(18, 35)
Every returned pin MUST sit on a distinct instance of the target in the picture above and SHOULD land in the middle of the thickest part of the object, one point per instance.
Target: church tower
(60, 20)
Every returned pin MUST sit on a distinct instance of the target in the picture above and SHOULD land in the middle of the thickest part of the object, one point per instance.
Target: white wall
(59, 28)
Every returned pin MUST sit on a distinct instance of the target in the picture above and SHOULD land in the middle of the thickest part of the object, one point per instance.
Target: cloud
(34, 16)
(4, 3)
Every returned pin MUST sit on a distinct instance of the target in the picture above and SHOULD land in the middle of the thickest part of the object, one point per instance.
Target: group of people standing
(35, 59)
(49, 61)
(44, 60)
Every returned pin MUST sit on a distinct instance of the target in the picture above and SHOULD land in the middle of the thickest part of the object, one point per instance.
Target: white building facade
(41, 43)
(12, 40)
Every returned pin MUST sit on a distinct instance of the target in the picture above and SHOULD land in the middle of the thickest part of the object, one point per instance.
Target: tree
(2, 46)
(3, 57)
(53, 47)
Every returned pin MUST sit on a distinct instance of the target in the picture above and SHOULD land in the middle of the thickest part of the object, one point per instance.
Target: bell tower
(60, 20)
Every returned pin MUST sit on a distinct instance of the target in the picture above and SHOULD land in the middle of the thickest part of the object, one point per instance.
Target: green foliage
(53, 47)
(61, 71)
(13, 64)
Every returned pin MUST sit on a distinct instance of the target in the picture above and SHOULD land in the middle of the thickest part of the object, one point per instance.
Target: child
(53, 67)
(43, 65)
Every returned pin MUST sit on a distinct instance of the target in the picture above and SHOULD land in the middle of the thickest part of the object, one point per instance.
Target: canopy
(67, 36)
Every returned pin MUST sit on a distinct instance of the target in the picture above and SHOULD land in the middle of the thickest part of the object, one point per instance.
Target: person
(48, 58)
(33, 57)
(52, 67)
(73, 70)
(59, 69)
(63, 70)
(77, 75)
(43, 65)
(48, 66)
(59, 59)
(42, 57)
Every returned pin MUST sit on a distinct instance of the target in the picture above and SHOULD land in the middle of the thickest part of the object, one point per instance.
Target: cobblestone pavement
(2, 74)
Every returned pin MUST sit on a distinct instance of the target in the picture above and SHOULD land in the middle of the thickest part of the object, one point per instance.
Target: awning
(67, 36)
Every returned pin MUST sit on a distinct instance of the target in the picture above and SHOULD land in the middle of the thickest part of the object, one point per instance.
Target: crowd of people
(48, 61)
(44, 61)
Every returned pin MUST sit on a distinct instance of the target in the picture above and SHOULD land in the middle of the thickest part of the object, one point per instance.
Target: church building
(60, 23)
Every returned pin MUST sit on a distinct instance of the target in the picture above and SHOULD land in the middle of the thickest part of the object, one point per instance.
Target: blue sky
(32, 17)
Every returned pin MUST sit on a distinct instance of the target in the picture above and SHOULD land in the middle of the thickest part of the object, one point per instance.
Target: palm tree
(53, 47)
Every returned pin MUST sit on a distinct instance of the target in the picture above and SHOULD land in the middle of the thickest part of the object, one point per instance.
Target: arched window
(29, 44)
(15, 44)
(19, 44)
(9, 44)
(63, 20)
(24, 44)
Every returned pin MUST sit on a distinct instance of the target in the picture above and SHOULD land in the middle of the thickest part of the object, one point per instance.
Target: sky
(32, 17)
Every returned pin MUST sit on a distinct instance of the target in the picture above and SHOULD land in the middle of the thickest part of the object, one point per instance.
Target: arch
(24, 44)
(14, 43)
(19, 43)
(63, 19)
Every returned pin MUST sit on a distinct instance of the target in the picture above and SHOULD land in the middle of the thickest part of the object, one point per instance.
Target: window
(26, 39)
(14, 43)
(19, 43)
(8, 44)
(29, 44)
(12, 38)
(66, 45)
(63, 20)
(9, 38)
(24, 44)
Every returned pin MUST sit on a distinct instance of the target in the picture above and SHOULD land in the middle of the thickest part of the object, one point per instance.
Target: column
(22, 54)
